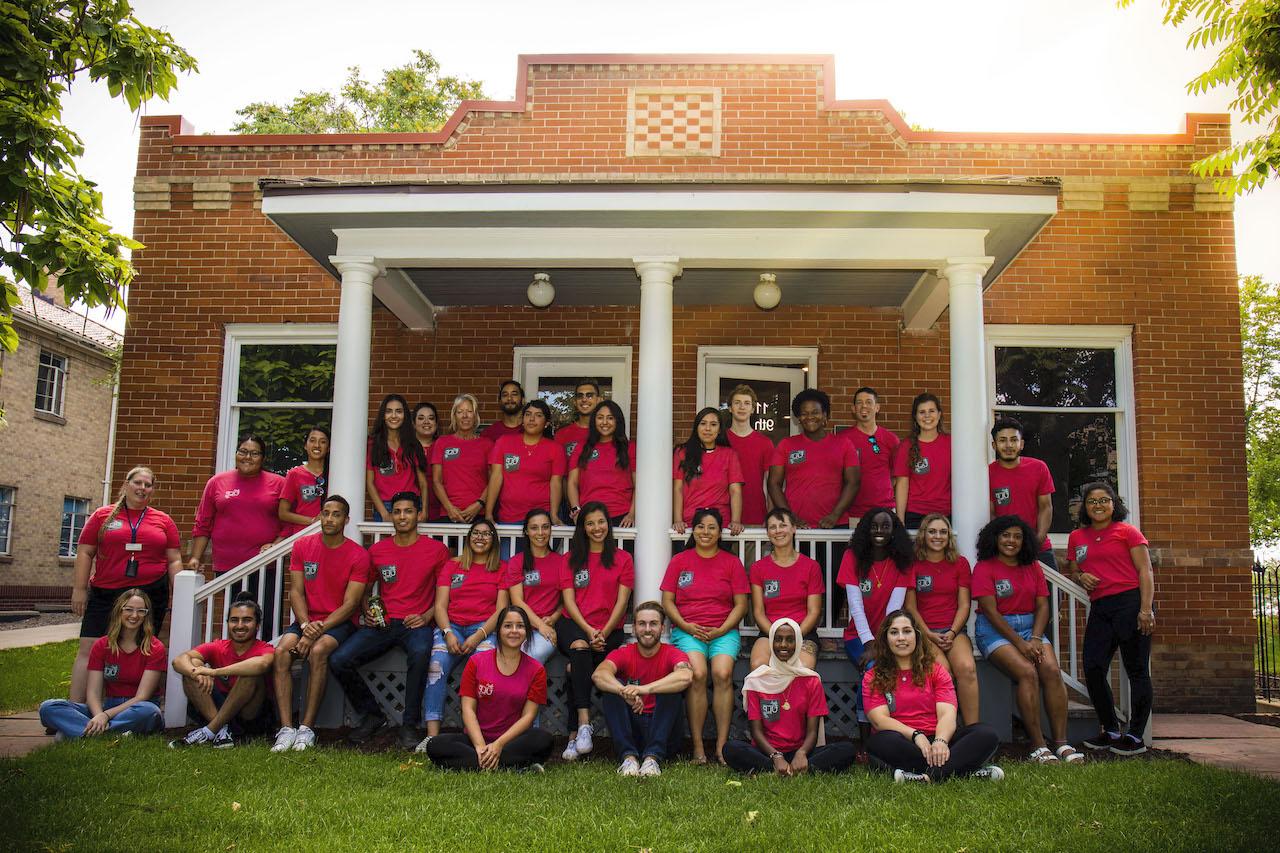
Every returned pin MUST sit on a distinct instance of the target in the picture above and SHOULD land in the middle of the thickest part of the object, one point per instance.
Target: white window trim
(1118, 338)
(239, 334)
(8, 532)
(587, 362)
(60, 383)
(74, 544)
(756, 355)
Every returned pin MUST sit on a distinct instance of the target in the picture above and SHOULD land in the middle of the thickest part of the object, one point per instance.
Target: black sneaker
(1127, 745)
(369, 726)
(223, 740)
(1102, 740)
(407, 737)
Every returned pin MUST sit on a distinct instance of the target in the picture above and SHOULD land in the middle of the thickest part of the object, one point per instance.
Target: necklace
(877, 577)
(786, 702)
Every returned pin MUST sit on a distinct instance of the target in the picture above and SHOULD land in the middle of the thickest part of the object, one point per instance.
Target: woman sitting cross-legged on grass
(501, 691)
(126, 669)
(911, 702)
(785, 704)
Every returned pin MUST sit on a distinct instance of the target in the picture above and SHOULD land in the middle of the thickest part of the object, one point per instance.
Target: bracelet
(775, 754)
(917, 733)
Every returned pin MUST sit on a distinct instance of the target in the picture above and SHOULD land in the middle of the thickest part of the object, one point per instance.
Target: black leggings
(972, 747)
(582, 663)
(455, 751)
(747, 758)
(1113, 624)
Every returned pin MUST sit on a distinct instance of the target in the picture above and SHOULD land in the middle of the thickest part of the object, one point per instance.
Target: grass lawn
(134, 794)
(30, 675)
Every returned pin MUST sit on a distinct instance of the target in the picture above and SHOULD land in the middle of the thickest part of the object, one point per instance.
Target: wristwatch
(447, 629)
(917, 733)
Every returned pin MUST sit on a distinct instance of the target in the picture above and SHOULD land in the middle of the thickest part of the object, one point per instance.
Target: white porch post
(969, 504)
(653, 424)
(351, 384)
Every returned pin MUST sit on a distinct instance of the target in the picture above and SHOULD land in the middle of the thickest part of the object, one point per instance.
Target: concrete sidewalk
(21, 637)
(1221, 741)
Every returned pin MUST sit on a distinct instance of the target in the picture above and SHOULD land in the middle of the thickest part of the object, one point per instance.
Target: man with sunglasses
(875, 446)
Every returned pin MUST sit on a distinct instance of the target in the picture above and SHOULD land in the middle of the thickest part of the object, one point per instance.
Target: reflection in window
(7, 494)
(1079, 448)
(283, 389)
(1055, 377)
(75, 512)
(557, 391)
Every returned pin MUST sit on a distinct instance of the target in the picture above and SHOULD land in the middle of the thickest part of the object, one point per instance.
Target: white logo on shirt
(685, 579)
(388, 573)
(455, 581)
(581, 578)
(310, 569)
(795, 457)
(484, 688)
(1004, 588)
(924, 583)
(231, 493)
(865, 586)
(772, 588)
(452, 452)
(511, 462)
(110, 671)
(1002, 496)
(921, 467)
(1082, 551)
(533, 577)
(770, 709)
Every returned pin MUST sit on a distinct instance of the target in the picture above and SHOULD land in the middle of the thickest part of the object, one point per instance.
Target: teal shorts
(729, 644)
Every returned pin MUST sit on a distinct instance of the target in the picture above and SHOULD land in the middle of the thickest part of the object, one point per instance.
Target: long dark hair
(580, 547)
(886, 666)
(901, 551)
(526, 548)
(379, 452)
(989, 539)
(691, 465)
(1119, 512)
(913, 440)
(621, 444)
(698, 515)
(524, 617)
(324, 474)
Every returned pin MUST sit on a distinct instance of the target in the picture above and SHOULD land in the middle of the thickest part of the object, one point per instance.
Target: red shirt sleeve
(676, 459)
(158, 660)
(900, 467)
(816, 585)
(669, 578)
(871, 699)
(203, 525)
(735, 467)
(89, 533)
(964, 575)
(1132, 536)
(559, 465)
(944, 689)
(981, 582)
(1042, 586)
(626, 577)
(467, 687)
(845, 575)
(851, 457)
(495, 455)
(98, 654)
(538, 687)
(1045, 486)
(738, 578)
(753, 705)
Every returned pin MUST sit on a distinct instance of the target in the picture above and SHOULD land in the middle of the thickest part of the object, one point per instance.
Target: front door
(774, 386)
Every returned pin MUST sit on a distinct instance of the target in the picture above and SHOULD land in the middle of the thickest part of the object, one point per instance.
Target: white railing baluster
(1071, 631)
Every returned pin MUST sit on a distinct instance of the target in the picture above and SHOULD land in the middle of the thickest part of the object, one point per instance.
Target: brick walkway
(1221, 741)
(21, 734)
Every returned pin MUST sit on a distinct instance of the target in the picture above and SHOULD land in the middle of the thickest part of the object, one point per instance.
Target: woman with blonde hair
(460, 463)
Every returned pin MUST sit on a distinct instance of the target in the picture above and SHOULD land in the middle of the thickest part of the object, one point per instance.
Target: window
(51, 383)
(1072, 389)
(776, 374)
(277, 381)
(552, 373)
(7, 495)
(75, 512)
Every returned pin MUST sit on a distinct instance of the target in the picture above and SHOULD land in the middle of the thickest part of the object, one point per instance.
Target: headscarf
(776, 676)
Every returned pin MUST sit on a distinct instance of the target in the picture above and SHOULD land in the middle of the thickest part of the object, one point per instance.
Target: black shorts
(97, 610)
(338, 632)
(263, 724)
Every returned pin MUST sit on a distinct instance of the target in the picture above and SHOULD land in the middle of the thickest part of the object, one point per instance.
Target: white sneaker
(571, 751)
(305, 740)
(629, 766)
(650, 767)
(583, 738)
(422, 744)
(901, 776)
(284, 739)
(991, 773)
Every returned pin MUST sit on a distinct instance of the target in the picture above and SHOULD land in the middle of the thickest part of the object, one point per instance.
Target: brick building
(1084, 282)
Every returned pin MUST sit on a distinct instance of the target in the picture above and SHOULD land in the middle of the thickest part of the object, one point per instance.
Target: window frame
(530, 363)
(6, 527)
(72, 546)
(59, 394)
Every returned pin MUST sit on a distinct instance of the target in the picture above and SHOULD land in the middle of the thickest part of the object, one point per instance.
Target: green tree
(412, 98)
(1246, 34)
(51, 215)
(1260, 339)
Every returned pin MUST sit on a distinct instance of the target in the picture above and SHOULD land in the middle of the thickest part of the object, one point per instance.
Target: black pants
(747, 757)
(972, 747)
(1112, 624)
(455, 752)
(582, 663)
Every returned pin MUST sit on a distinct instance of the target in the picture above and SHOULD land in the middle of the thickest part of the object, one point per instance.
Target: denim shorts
(988, 639)
(727, 644)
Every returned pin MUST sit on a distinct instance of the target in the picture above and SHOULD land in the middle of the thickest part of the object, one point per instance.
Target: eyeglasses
(1098, 501)
(590, 395)
(480, 534)
(134, 611)
(251, 454)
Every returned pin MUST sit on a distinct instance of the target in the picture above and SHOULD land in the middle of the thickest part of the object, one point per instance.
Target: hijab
(777, 675)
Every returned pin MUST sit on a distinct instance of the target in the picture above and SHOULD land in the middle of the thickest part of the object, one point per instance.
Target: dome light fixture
(767, 293)
(541, 293)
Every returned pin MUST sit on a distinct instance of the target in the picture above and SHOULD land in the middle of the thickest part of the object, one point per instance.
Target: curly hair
(886, 666)
(989, 538)
(1119, 511)
(901, 551)
(950, 552)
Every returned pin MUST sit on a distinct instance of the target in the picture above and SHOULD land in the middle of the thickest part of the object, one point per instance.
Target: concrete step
(17, 615)
(52, 607)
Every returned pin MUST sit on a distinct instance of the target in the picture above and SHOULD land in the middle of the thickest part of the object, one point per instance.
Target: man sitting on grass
(225, 680)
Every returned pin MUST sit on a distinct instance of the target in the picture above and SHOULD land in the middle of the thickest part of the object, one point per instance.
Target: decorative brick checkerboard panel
(667, 122)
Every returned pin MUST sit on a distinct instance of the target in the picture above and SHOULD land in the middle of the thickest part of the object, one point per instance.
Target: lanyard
(133, 528)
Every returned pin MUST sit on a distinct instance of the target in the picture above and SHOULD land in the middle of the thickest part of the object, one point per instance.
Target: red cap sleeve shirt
(326, 573)
(1106, 554)
(498, 429)
(464, 468)
(704, 587)
(595, 587)
(929, 479)
(602, 480)
(541, 584)
(122, 671)
(785, 716)
(571, 437)
(875, 456)
(220, 653)
(877, 588)
(710, 488)
(1017, 490)
(754, 450)
(473, 592)
(500, 698)
(156, 534)
(305, 493)
(1015, 587)
(909, 704)
(786, 590)
(814, 473)
(937, 588)
(396, 475)
(407, 575)
(634, 668)
(527, 470)
(239, 515)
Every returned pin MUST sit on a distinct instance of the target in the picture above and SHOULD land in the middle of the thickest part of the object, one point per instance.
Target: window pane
(6, 518)
(75, 511)
(558, 392)
(284, 431)
(773, 406)
(1078, 448)
(287, 373)
(1055, 376)
(49, 383)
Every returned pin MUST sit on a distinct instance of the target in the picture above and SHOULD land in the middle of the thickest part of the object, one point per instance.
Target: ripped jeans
(443, 662)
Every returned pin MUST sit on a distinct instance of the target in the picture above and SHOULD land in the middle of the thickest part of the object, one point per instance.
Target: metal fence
(1266, 610)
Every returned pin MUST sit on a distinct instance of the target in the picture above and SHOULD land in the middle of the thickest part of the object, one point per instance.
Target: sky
(987, 65)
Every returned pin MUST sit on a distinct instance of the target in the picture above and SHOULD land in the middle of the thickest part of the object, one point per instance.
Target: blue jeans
(853, 648)
(643, 735)
(368, 644)
(443, 662)
(70, 718)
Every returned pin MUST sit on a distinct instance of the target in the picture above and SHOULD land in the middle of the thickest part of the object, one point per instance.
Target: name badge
(533, 577)
(865, 586)
(511, 462)
(581, 578)
(924, 583)
(1082, 551)
(133, 546)
(310, 568)
(452, 452)
(921, 467)
(795, 457)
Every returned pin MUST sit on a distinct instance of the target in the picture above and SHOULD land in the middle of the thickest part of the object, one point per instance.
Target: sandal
(1042, 755)
(699, 760)
(1068, 753)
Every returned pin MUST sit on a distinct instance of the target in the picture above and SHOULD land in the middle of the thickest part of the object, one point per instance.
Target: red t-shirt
(570, 437)
(877, 588)
(785, 716)
(326, 573)
(239, 515)
(786, 591)
(875, 455)
(527, 470)
(595, 588)
(122, 671)
(1017, 491)
(814, 473)
(407, 576)
(602, 480)
(1105, 553)
(498, 429)
(1015, 587)
(709, 489)
(754, 452)
(429, 501)
(634, 668)
(156, 534)
(541, 585)
(397, 475)
(473, 592)
(929, 481)
(220, 653)
(305, 493)
(911, 705)
(500, 698)
(937, 586)
(705, 586)
(464, 468)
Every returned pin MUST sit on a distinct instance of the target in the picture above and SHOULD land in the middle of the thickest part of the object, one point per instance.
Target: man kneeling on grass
(643, 685)
(225, 680)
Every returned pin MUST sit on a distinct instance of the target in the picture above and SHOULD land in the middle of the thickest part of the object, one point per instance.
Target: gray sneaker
(223, 740)
(305, 740)
(991, 773)
(650, 767)
(285, 739)
(901, 776)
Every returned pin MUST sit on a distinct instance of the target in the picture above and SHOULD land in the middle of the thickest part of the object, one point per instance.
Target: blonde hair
(115, 625)
(118, 507)
(453, 410)
(492, 560)
(949, 552)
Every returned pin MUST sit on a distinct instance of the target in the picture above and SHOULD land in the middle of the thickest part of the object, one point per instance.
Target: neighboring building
(56, 392)
(1085, 282)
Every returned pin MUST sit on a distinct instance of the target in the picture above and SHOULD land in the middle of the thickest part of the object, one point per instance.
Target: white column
(351, 384)
(969, 404)
(653, 424)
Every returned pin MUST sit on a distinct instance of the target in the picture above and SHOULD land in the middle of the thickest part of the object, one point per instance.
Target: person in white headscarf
(785, 705)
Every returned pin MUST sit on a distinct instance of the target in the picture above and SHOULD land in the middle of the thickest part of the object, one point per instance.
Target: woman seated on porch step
(533, 580)
(394, 462)
(912, 704)
(786, 585)
(603, 467)
(706, 472)
(1013, 610)
(460, 463)
(526, 471)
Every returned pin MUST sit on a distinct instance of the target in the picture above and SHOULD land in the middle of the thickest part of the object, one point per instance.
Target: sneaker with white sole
(305, 740)
(629, 766)
(901, 776)
(223, 739)
(422, 745)
(991, 773)
(1128, 745)
(650, 767)
(284, 739)
(1100, 741)
(570, 751)
(195, 737)
(583, 738)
